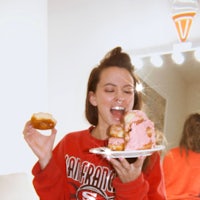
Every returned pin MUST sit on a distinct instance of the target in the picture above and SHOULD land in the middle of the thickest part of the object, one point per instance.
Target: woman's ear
(92, 98)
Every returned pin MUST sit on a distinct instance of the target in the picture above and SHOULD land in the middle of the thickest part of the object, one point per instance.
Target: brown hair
(190, 139)
(114, 58)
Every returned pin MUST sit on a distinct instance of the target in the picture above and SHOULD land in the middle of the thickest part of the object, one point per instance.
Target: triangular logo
(183, 22)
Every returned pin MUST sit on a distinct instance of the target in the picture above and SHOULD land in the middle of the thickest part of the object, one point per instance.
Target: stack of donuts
(136, 132)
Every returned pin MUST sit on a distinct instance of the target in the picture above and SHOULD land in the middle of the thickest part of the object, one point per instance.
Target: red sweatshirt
(74, 173)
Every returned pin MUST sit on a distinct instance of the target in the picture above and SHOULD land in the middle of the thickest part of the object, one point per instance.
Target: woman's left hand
(127, 172)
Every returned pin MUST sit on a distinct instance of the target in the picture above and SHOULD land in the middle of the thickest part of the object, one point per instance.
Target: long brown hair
(190, 139)
(113, 58)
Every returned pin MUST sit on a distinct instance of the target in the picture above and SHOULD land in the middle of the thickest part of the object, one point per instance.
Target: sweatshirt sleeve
(49, 183)
(137, 189)
(148, 186)
(154, 176)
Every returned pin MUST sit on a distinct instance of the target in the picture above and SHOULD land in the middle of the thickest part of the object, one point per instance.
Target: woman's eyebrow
(128, 86)
(112, 84)
(109, 84)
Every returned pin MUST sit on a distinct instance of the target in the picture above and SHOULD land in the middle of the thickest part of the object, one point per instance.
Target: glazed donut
(43, 121)
(133, 116)
(116, 140)
(116, 144)
(116, 130)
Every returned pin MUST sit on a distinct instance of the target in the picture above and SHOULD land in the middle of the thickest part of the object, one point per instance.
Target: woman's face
(114, 95)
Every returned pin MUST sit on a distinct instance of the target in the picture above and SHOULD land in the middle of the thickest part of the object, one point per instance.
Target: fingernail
(121, 158)
(108, 158)
(141, 157)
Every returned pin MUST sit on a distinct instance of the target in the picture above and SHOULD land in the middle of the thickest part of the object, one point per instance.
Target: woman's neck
(100, 133)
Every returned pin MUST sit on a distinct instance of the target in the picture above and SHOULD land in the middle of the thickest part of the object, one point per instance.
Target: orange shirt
(182, 175)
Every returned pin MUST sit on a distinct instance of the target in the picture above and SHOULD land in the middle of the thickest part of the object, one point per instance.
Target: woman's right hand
(40, 144)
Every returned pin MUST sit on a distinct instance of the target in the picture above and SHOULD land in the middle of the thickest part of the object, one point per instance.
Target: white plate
(106, 152)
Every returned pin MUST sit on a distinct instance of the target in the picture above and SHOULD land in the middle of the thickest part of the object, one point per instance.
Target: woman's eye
(128, 91)
(109, 90)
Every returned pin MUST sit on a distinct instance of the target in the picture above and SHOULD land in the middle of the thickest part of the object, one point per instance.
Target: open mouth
(117, 112)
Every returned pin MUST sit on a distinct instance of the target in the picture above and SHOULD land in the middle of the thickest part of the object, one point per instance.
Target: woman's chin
(116, 121)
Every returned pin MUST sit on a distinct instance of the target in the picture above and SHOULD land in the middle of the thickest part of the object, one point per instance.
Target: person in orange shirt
(181, 165)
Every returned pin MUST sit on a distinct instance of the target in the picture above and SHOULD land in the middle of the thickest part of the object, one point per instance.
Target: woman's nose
(119, 101)
(119, 98)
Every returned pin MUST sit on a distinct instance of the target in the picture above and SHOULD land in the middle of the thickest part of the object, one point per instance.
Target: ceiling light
(178, 58)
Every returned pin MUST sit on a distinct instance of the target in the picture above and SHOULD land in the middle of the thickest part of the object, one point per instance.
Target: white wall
(193, 100)
(23, 77)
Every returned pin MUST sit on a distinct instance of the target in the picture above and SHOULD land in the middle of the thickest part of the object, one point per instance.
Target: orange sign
(183, 22)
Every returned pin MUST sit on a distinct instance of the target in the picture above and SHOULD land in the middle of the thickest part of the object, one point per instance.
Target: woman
(181, 164)
(70, 171)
